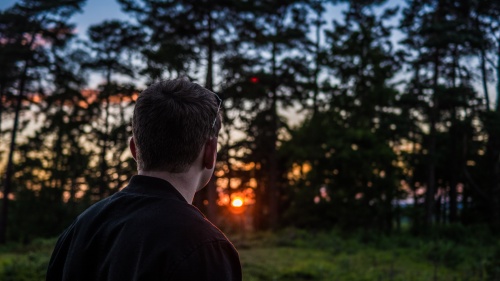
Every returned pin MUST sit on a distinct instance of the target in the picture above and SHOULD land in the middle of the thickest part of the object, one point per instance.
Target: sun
(237, 202)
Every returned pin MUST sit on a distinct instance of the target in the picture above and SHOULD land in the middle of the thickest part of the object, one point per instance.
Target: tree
(259, 85)
(341, 159)
(53, 163)
(488, 25)
(30, 26)
(441, 35)
(112, 45)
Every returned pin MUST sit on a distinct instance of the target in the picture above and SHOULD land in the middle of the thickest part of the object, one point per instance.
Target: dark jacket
(147, 231)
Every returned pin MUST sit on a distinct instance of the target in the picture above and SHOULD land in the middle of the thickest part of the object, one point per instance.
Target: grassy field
(296, 255)
(293, 254)
(299, 255)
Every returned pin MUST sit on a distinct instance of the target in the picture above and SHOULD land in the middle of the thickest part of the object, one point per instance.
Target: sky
(94, 11)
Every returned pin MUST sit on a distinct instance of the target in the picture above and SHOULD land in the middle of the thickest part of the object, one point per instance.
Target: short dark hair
(172, 121)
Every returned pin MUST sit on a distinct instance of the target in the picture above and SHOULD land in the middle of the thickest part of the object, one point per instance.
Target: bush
(445, 252)
(25, 262)
(492, 266)
(31, 267)
(471, 235)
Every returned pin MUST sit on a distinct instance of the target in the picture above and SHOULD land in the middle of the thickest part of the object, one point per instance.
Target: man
(149, 230)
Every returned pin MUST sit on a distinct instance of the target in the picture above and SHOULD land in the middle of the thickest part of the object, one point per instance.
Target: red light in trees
(254, 80)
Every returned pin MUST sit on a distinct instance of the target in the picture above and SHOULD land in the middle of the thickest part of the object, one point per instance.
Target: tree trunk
(484, 76)
(211, 190)
(454, 170)
(496, 153)
(272, 186)
(210, 55)
(497, 108)
(431, 177)
(10, 165)
(1, 109)
(316, 69)
(103, 187)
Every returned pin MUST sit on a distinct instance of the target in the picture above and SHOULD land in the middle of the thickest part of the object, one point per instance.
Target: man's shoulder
(150, 220)
(186, 224)
(166, 217)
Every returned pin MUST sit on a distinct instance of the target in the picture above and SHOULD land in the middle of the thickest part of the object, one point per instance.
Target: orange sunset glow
(89, 96)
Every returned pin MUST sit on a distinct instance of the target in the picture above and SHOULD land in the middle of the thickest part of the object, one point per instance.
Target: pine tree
(264, 75)
(349, 146)
(488, 25)
(441, 37)
(54, 161)
(26, 25)
(112, 45)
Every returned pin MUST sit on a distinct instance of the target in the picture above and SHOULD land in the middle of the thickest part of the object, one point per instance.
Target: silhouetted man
(149, 230)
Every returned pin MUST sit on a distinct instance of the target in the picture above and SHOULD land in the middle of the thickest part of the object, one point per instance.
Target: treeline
(395, 117)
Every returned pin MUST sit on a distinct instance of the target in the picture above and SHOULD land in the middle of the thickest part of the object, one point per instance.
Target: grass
(297, 255)
(25, 262)
(293, 254)
(284, 263)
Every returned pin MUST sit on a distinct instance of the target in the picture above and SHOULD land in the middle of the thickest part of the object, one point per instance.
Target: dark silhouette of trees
(347, 146)
(392, 112)
(111, 46)
(440, 37)
(262, 85)
(27, 28)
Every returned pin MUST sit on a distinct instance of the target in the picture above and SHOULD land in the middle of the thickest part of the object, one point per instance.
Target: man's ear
(210, 153)
(131, 145)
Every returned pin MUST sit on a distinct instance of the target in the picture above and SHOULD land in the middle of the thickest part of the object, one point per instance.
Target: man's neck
(186, 183)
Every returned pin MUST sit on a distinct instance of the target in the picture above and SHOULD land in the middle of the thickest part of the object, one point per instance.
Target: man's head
(172, 122)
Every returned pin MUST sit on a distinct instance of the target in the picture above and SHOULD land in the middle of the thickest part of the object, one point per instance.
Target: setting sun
(237, 202)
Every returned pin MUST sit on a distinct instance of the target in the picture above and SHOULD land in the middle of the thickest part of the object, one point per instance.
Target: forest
(385, 118)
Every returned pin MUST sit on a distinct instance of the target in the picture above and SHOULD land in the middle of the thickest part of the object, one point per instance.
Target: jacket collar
(151, 186)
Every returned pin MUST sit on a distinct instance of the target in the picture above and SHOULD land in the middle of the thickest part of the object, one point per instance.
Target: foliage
(346, 147)
(386, 135)
(493, 265)
(25, 262)
(299, 255)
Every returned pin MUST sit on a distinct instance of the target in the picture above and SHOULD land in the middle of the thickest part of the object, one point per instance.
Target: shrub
(31, 267)
(492, 266)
